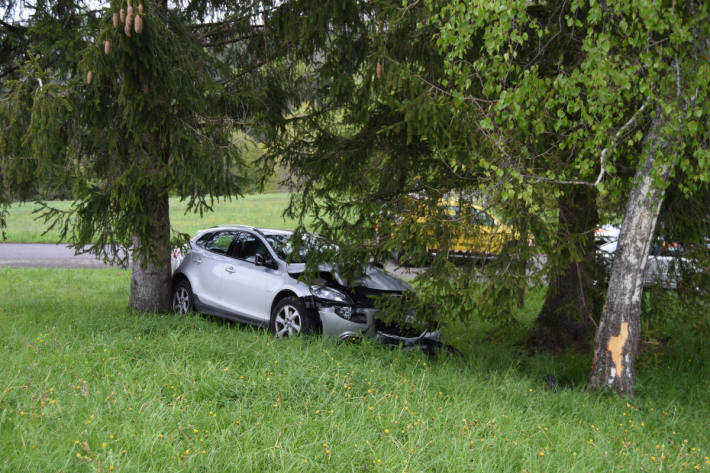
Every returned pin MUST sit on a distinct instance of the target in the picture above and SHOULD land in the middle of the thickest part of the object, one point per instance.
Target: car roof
(265, 231)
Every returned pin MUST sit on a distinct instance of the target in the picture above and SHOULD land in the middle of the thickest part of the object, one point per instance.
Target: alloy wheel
(181, 301)
(287, 322)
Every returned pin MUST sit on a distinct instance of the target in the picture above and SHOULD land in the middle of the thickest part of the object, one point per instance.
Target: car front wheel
(289, 318)
(182, 301)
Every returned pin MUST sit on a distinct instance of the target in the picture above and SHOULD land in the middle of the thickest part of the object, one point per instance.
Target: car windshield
(284, 247)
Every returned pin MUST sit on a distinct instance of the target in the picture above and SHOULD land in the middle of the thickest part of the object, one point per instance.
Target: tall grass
(259, 210)
(87, 385)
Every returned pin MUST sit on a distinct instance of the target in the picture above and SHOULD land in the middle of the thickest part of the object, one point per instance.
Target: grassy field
(89, 386)
(259, 210)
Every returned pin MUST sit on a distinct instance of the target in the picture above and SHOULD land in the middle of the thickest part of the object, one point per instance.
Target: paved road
(48, 255)
(45, 255)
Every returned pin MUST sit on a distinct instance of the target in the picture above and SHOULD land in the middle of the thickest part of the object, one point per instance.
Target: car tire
(290, 318)
(182, 302)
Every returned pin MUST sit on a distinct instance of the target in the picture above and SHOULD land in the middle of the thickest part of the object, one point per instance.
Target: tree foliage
(126, 116)
(511, 103)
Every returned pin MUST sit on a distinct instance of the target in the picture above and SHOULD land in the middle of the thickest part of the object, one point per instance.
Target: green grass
(259, 210)
(86, 385)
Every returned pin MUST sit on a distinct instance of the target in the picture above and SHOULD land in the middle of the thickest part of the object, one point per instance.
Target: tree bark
(150, 276)
(565, 320)
(617, 338)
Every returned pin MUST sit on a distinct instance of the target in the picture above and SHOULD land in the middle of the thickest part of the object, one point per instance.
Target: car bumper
(337, 327)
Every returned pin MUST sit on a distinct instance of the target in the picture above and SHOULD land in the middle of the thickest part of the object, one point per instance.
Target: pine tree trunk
(565, 320)
(150, 277)
(617, 338)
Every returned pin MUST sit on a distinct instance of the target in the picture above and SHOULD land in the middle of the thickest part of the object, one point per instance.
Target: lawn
(259, 210)
(87, 385)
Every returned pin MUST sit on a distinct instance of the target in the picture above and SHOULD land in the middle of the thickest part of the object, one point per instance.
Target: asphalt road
(45, 255)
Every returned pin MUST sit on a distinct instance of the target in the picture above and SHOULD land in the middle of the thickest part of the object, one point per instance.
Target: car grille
(365, 297)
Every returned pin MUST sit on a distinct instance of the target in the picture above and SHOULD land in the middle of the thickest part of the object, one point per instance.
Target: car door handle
(229, 269)
(197, 260)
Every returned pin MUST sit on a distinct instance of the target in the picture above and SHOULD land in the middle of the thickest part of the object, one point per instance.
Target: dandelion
(387, 431)
(103, 444)
(327, 452)
(110, 436)
(541, 454)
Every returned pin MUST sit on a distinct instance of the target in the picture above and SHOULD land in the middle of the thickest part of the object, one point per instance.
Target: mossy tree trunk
(150, 276)
(565, 320)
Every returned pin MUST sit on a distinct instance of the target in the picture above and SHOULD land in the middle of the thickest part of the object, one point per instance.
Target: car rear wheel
(290, 318)
(182, 301)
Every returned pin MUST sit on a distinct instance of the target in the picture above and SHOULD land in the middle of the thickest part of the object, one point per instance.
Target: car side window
(480, 217)
(246, 246)
(219, 242)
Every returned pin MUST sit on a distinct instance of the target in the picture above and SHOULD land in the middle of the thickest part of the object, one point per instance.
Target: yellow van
(470, 229)
(475, 231)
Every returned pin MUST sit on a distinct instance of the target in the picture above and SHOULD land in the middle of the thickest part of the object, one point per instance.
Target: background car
(471, 231)
(666, 264)
(251, 275)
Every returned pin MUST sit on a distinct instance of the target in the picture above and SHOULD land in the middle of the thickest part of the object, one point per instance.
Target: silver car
(241, 273)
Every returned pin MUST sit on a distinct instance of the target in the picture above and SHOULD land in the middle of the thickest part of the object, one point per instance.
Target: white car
(251, 275)
(665, 266)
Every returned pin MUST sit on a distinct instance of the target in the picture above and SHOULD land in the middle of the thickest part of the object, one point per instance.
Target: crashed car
(251, 275)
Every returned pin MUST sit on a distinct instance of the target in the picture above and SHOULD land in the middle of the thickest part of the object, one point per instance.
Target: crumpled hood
(374, 278)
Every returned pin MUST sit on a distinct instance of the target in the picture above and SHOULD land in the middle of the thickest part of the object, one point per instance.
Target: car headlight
(330, 295)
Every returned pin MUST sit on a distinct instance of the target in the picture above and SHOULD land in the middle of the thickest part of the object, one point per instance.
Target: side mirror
(266, 261)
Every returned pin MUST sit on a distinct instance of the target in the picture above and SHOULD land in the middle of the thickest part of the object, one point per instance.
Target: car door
(207, 263)
(247, 288)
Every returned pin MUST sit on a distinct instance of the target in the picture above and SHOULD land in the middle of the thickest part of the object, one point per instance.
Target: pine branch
(214, 44)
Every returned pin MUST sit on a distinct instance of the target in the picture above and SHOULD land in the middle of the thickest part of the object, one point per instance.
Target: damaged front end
(351, 312)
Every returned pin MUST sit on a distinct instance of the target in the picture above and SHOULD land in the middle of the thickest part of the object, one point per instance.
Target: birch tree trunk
(617, 337)
(150, 278)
